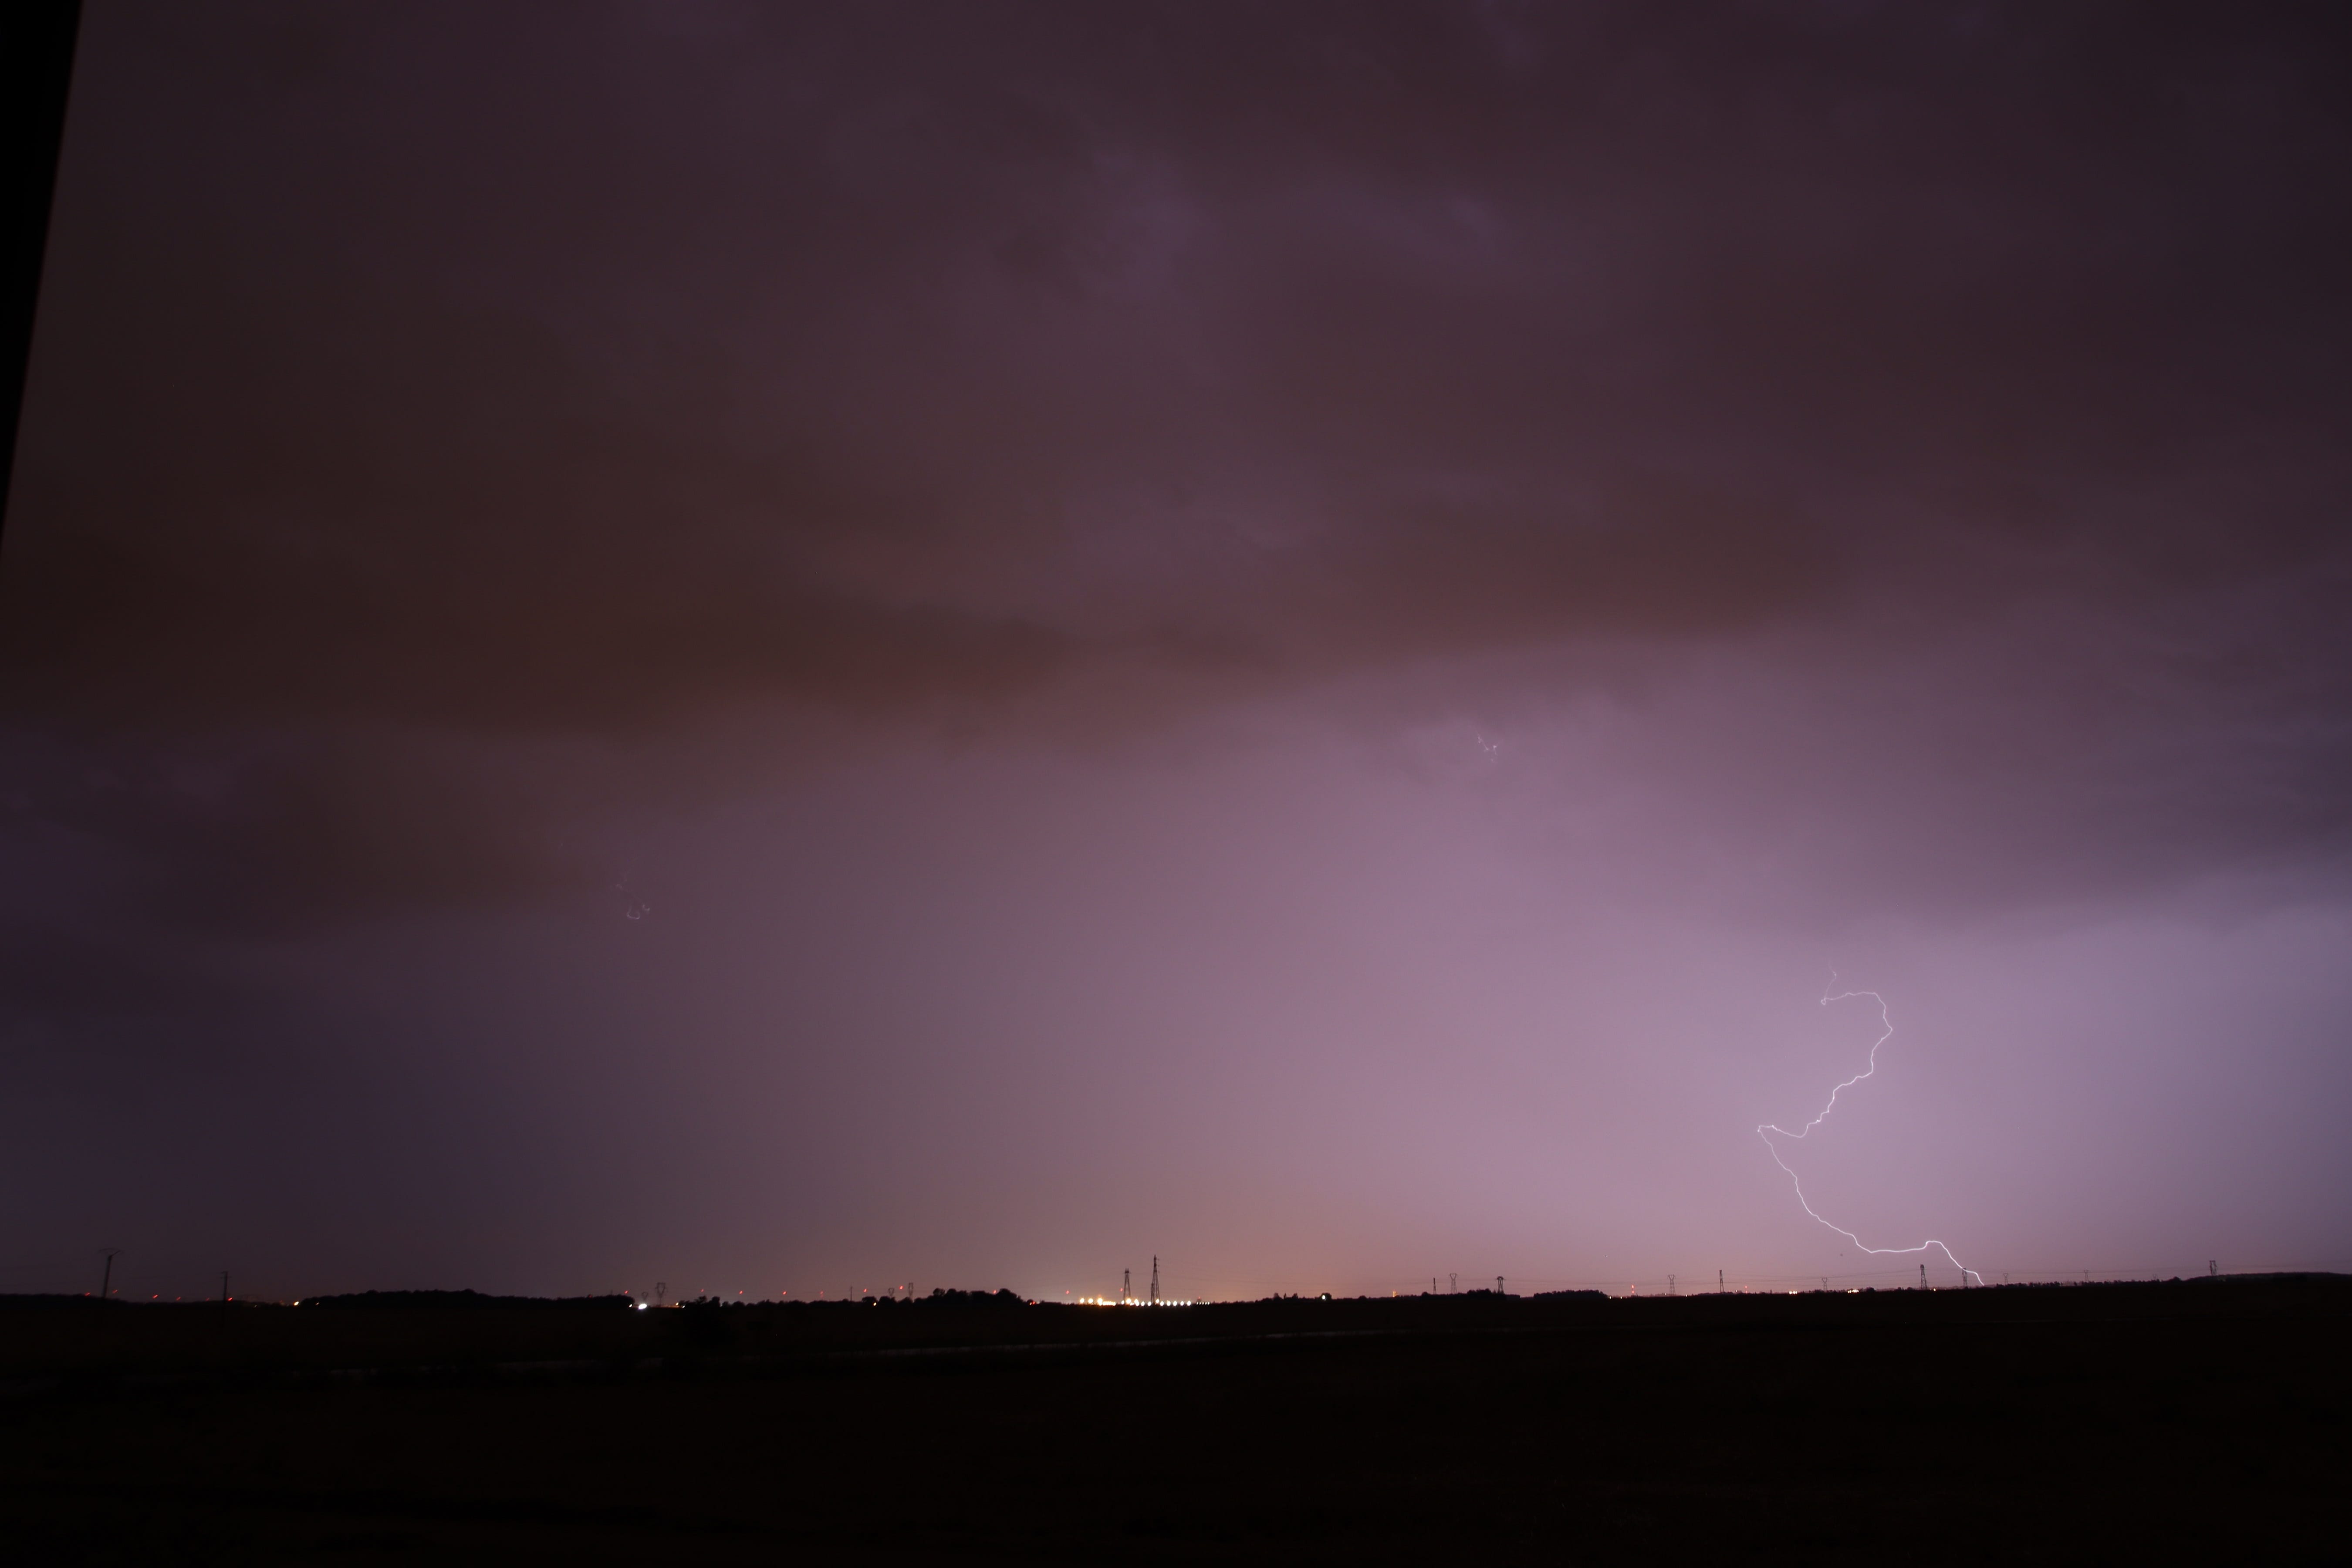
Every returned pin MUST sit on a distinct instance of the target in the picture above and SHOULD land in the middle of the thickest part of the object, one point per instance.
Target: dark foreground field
(2162, 1421)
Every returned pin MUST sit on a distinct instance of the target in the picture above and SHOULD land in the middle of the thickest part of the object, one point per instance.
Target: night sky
(806, 649)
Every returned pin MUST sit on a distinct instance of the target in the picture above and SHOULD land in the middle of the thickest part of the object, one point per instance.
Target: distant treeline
(471, 1300)
(2233, 1285)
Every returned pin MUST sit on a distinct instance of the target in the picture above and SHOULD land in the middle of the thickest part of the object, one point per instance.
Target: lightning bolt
(1768, 1130)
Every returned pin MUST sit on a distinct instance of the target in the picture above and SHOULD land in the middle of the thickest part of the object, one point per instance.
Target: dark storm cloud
(589, 374)
(1361, 597)
(47, 974)
(249, 839)
(109, 1010)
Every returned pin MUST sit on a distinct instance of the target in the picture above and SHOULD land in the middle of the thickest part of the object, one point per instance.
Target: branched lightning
(1768, 1130)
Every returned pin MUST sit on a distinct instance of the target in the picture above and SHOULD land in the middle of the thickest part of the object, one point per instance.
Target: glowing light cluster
(1766, 1131)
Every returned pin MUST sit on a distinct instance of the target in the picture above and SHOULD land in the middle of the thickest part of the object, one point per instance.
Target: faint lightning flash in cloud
(634, 907)
(1768, 1130)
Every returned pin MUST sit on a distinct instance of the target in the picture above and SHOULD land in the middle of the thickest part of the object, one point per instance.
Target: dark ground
(2159, 1420)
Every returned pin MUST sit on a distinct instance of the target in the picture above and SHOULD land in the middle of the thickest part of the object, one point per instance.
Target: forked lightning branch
(1768, 1131)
